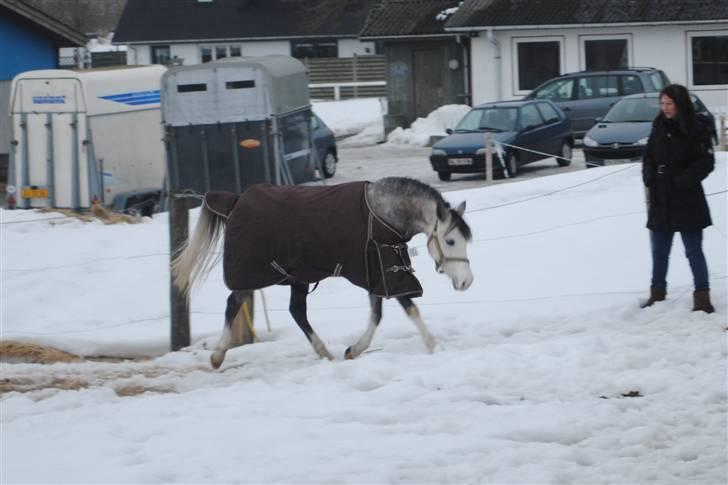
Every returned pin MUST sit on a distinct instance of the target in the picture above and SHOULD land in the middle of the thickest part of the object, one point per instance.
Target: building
(29, 39)
(518, 44)
(427, 67)
(198, 31)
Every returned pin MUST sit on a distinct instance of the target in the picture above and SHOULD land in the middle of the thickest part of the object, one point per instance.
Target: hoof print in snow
(625, 394)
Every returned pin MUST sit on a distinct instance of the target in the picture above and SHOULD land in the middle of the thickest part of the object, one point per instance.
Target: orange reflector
(250, 143)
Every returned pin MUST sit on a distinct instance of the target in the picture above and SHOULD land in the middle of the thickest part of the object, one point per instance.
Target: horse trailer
(236, 122)
(86, 137)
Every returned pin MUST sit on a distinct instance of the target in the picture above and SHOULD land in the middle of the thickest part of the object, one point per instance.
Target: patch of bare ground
(99, 213)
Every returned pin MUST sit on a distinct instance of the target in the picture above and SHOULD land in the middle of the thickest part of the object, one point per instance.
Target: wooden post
(178, 233)
(242, 327)
(488, 157)
(722, 142)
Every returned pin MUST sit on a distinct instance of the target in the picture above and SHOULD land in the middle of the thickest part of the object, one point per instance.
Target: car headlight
(436, 152)
(590, 142)
(642, 141)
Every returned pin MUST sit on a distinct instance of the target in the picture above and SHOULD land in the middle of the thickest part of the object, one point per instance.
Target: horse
(298, 236)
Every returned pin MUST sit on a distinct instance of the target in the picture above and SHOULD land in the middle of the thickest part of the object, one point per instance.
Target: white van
(80, 138)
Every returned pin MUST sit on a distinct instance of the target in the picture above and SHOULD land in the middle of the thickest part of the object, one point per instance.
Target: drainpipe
(497, 61)
(466, 70)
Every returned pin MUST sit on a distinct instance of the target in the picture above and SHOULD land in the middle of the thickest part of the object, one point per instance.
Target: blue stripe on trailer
(136, 98)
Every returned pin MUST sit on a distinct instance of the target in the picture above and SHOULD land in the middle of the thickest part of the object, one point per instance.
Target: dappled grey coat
(674, 165)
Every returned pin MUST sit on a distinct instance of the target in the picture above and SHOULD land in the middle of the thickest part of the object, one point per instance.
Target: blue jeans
(661, 245)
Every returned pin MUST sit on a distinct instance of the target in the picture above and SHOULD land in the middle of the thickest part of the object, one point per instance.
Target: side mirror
(528, 128)
(449, 131)
(598, 120)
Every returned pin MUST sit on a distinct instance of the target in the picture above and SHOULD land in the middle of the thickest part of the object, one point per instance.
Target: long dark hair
(685, 109)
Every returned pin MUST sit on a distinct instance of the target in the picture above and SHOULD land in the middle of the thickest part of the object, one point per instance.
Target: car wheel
(566, 154)
(512, 164)
(444, 176)
(329, 164)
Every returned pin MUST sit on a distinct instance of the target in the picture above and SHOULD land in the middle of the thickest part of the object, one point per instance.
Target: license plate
(460, 161)
(34, 193)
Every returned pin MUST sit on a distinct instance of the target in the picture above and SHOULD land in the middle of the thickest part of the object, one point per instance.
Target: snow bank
(435, 124)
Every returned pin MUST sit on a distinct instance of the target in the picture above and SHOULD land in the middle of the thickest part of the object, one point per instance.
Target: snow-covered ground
(528, 383)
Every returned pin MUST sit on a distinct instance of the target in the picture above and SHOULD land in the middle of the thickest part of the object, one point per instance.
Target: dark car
(325, 143)
(538, 126)
(588, 95)
(621, 137)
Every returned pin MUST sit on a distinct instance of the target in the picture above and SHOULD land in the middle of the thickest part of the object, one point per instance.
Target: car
(587, 95)
(539, 127)
(325, 143)
(621, 137)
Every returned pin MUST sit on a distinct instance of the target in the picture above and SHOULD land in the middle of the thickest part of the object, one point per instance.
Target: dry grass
(98, 213)
(11, 351)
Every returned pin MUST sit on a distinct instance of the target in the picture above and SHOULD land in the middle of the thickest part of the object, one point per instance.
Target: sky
(546, 371)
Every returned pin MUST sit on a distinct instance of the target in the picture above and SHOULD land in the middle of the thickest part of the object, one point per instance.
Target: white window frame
(586, 37)
(213, 48)
(526, 40)
(690, 35)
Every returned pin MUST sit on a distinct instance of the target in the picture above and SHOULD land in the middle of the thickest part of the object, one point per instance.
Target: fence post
(722, 142)
(488, 157)
(355, 74)
(178, 232)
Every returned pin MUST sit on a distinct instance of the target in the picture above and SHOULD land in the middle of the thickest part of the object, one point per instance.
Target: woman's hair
(685, 109)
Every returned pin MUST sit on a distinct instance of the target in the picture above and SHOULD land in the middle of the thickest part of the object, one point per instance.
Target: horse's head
(447, 245)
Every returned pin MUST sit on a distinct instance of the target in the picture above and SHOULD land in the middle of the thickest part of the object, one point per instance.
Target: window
(556, 91)
(605, 54)
(530, 116)
(709, 59)
(591, 87)
(538, 61)
(631, 85)
(548, 112)
(211, 53)
(314, 48)
(160, 54)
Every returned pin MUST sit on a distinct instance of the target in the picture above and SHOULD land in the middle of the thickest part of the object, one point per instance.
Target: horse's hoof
(216, 359)
(348, 355)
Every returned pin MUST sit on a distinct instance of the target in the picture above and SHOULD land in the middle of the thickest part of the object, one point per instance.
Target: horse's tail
(196, 257)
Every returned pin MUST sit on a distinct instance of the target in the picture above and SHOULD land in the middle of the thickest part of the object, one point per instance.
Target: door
(593, 98)
(428, 79)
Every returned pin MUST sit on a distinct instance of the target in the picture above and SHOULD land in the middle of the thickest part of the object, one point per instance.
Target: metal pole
(75, 169)
(488, 157)
(179, 303)
(50, 173)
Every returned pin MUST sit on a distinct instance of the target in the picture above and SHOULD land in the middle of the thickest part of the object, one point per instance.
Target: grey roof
(503, 13)
(87, 16)
(63, 35)
(146, 21)
(408, 18)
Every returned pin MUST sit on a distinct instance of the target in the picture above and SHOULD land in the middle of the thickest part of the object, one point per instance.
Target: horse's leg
(363, 343)
(234, 301)
(299, 292)
(414, 314)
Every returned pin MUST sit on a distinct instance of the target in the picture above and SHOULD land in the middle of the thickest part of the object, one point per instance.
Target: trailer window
(191, 88)
(239, 84)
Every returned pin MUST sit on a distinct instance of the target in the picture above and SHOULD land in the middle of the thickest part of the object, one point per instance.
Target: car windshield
(488, 119)
(633, 110)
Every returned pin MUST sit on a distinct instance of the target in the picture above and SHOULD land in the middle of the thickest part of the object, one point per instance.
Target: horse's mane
(411, 188)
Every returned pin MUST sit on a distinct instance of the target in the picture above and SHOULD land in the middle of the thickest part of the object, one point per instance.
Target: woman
(679, 156)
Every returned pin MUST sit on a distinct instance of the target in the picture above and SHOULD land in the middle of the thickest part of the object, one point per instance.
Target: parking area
(385, 160)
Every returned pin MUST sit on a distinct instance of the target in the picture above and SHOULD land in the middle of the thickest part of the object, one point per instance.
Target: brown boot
(701, 301)
(656, 294)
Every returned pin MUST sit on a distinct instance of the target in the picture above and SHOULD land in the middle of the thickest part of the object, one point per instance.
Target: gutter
(466, 71)
(229, 39)
(581, 26)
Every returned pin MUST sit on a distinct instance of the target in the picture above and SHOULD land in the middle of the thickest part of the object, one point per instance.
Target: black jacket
(674, 165)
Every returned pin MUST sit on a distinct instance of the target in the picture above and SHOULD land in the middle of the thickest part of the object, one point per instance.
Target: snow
(528, 382)
(435, 124)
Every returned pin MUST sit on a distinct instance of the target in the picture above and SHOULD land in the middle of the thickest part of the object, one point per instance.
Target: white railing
(337, 86)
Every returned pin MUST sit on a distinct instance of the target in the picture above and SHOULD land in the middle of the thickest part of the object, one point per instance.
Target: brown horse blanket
(283, 234)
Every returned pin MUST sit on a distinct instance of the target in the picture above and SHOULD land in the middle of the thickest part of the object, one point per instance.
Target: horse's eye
(450, 242)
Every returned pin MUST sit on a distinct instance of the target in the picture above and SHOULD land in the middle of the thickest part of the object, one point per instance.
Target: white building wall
(663, 47)
(266, 48)
(349, 47)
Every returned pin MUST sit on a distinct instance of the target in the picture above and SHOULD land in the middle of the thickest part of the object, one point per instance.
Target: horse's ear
(443, 211)
(461, 208)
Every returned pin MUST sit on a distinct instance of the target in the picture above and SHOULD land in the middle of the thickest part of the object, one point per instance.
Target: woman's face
(667, 106)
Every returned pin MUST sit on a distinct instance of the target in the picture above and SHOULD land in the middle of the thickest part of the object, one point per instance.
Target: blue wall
(23, 49)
